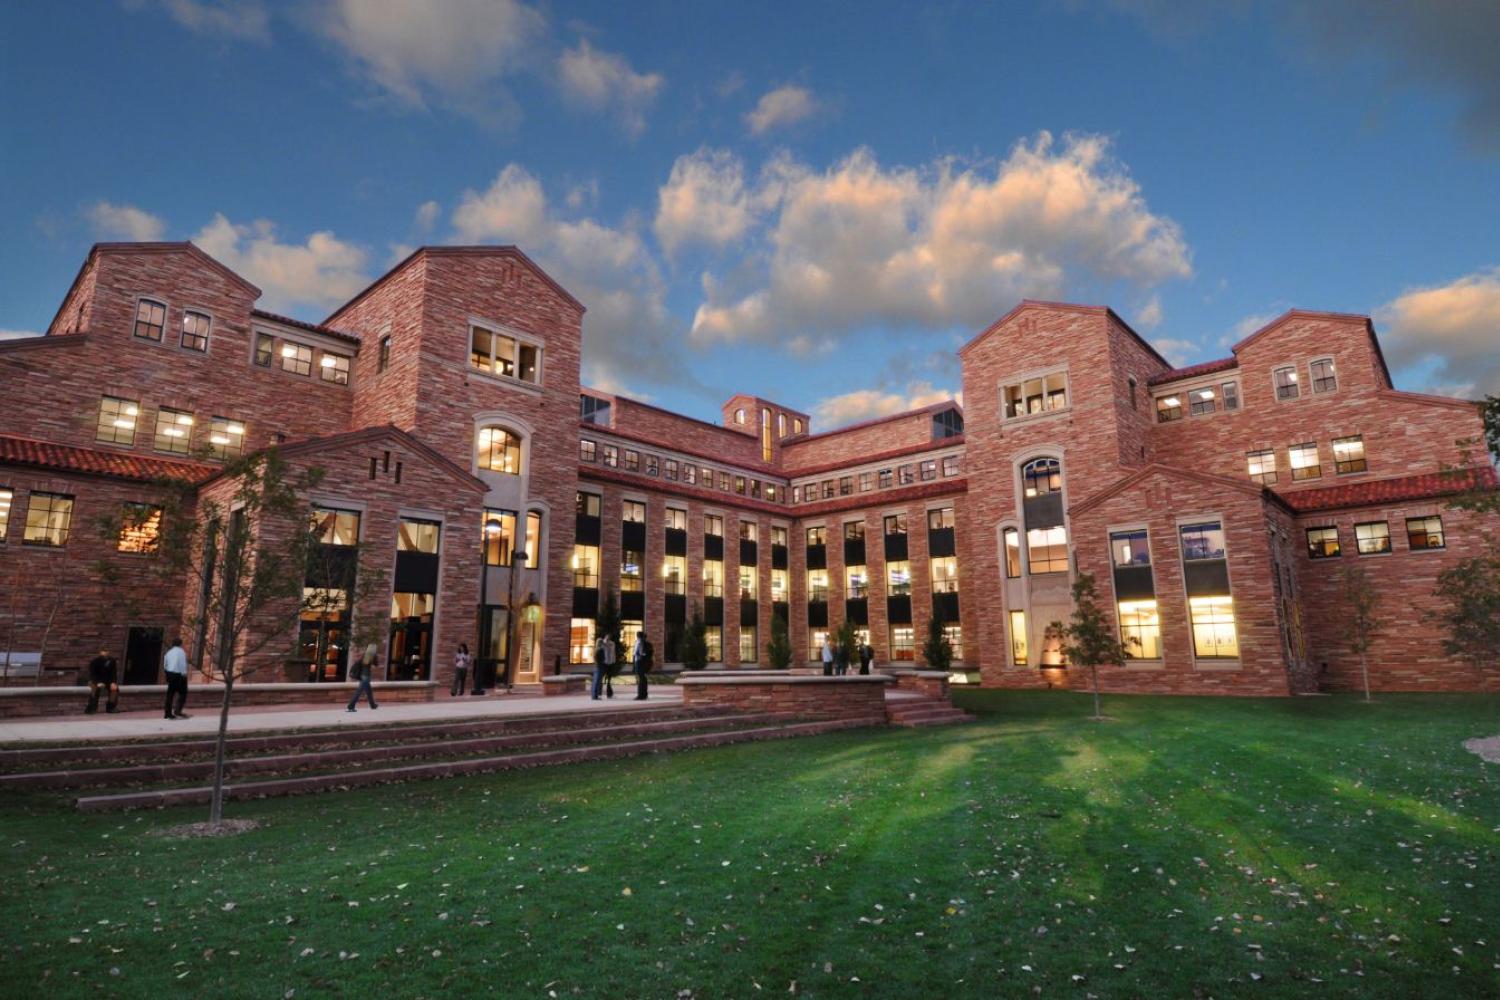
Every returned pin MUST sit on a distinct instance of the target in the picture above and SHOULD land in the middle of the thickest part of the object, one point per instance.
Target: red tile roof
(97, 462)
(1191, 371)
(326, 331)
(1380, 491)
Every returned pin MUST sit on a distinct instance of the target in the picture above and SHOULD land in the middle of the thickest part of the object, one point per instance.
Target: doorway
(142, 655)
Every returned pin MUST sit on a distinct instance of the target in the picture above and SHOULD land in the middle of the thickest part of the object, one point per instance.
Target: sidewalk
(102, 728)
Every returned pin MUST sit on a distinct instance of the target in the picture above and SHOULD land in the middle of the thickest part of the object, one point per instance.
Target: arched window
(1041, 475)
(499, 450)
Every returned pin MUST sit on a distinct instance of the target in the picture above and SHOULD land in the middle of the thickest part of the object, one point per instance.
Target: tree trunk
(229, 623)
(1365, 671)
(216, 804)
(1095, 671)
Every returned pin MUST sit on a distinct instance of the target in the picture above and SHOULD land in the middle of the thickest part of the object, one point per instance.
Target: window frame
(1442, 536)
(64, 532)
(1333, 376)
(484, 451)
(520, 339)
(292, 363)
(1317, 467)
(182, 331)
(186, 437)
(135, 320)
(1296, 383)
(340, 371)
(1263, 477)
(1339, 465)
(121, 412)
(1317, 548)
(269, 361)
(1359, 543)
(1041, 376)
(223, 452)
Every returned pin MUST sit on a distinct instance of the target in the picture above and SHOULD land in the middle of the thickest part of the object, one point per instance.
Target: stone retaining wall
(31, 702)
(803, 696)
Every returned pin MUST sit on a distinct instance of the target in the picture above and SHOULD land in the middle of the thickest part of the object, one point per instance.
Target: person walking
(174, 665)
(364, 671)
(640, 659)
(827, 657)
(104, 675)
(461, 663)
(866, 657)
(604, 666)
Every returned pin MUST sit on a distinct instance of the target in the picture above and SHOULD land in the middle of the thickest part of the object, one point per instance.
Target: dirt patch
(1487, 748)
(226, 828)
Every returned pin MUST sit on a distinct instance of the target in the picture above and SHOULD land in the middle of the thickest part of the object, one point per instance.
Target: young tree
(779, 649)
(695, 642)
(1470, 615)
(846, 643)
(1475, 496)
(1361, 607)
(937, 650)
(1088, 639)
(608, 623)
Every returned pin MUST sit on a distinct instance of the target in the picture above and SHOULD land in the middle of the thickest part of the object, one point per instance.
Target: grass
(1190, 847)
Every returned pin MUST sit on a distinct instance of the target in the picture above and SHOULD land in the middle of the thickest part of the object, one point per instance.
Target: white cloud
(454, 57)
(867, 404)
(941, 246)
(18, 334)
(1178, 352)
(124, 222)
(629, 335)
(703, 201)
(1149, 316)
(245, 20)
(604, 81)
(1246, 327)
(1454, 327)
(786, 105)
(427, 216)
(323, 272)
(605, 382)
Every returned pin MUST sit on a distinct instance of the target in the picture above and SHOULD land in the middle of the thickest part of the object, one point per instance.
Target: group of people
(606, 665)
(836, 658)
(103, 677)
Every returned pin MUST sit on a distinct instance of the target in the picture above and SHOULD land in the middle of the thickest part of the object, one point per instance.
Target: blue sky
(812, 202)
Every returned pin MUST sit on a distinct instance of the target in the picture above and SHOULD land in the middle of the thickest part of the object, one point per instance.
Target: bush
(779, 650)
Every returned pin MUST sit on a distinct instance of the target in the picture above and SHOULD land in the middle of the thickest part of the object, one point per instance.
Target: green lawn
(1191, 847)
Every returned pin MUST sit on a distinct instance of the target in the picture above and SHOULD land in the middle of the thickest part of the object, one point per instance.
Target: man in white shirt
(176, 668)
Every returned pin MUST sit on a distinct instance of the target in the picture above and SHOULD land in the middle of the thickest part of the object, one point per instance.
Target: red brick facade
(385, 397)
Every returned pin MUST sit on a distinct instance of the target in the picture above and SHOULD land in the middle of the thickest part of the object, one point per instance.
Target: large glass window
(116, 421)
(1168, 408)
(945, 575)
(499, 535)
(533, 539)
(499, 451)
(1012, 553)
(150, 320)
(1047, 550)
(140, 528)
(1372, 538)
(903, 643)
(1262, 465)
(1425, 533)
(713, 578)
(895, 524)
(587, 504)
(856, 582)
(226, 438)
(939, 519)
(1213, 628)
(1323, 377)
(1042, 475)
(1140, 629)
(1130, 548)
(1286, 382)
(674, 574)
(1323, 543)
(1204, 540)
(676, 519)
(632, 571)
(334, 368)
(780, 585)
(296, 358)
(6, 497)
(714, 636)
(713, 525)
(633, 511)
(1303, 458)
(334, 527)
(593, 410)
(586, 566)
(422, 536)
(1202, 402)
(898, 578)
(1036, 395)
(815, 639)
(749, 651)
(1018, 638)
(817, 536)
(195, 331)
(1349, 454)
(502, 354)
(748, 583)
(174, 431)
(748, 531)
(581, 641)
(817, 585)
(49, 518)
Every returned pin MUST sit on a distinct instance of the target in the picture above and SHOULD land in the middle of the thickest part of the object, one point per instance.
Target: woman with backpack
(363, 671)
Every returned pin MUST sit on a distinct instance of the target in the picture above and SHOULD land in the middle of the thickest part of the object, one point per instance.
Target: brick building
(1213, 504)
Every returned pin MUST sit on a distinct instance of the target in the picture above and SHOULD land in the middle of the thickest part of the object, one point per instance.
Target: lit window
(749, 583)
(887, 478)
(928, 470)
(1424, 533)
(739, 485)
(1303, 458)
(195, 331)
(1323, 543)
(749, 530)
(1168, 408)
(1018, 638)
(611, 456)
(413, 535)
(1323, 377)
(116, 421)
(778, 536)
(653, 465)
(581, 641)
(140, 528)
(906, 475)
(856, 582)
(846, 485)
(632, 571)
(498, 536)
(585, 566)
(895, 524)
(1042, 475)
(633, 511)
(1036, 395)
(587, 450)
(533, 539)
(940, 519)
(587, 504)
(739, 416)
(674, 574)
(898, 578)
(1214, 635)
(632, 460)
(713, 524)
(951, 465)
(1372, 538)
(383, 361)
(499, 451)
(815, 640)
(780, 585)
(226, 438)
(724, 481)
(797, 426)
(1202, 541)
(1012, 553)
(150, 320)
(1202, 402)
(1286, 382)
(1231, 395)
(781, 425)
(1130, 548)
(945, 575)
(334, 527)
(676, 519)
(669, 469)
(1262, 466)
(265, 349)
(1047, 550)
(713, 578)
(1349, 454)
(690, 474)
(1140, 629)
(770, 491)
(503, 355)
(174, 431)
(816, 537)
(6, 496)
(748, 650)
(49, 518)
(817, 585)
(903, 642)
(334, 368)
(296, 358)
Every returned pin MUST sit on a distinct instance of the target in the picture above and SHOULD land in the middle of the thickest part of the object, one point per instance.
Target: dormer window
(505, 355)
(150, 319)
(1044, 394)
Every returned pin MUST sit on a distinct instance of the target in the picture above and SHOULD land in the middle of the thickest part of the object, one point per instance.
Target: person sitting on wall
(104, 674)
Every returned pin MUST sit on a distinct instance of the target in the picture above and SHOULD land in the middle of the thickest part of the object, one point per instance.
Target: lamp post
(517, 560)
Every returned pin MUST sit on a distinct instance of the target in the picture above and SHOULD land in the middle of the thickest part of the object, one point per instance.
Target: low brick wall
(18, 702)
(931, 683)
(565, 684)
(801, 695)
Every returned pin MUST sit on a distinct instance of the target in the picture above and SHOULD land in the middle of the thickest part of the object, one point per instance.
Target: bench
(565, 684)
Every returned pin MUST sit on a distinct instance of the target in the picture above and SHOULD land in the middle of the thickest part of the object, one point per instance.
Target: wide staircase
(154, 773)
(903, 709)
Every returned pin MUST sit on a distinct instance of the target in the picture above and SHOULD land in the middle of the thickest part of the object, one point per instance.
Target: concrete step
(155, 749)
(321, 759)
(480, 765)
(924, 712)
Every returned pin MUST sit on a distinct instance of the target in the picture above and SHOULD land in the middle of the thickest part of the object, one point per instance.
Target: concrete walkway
(102, 728)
